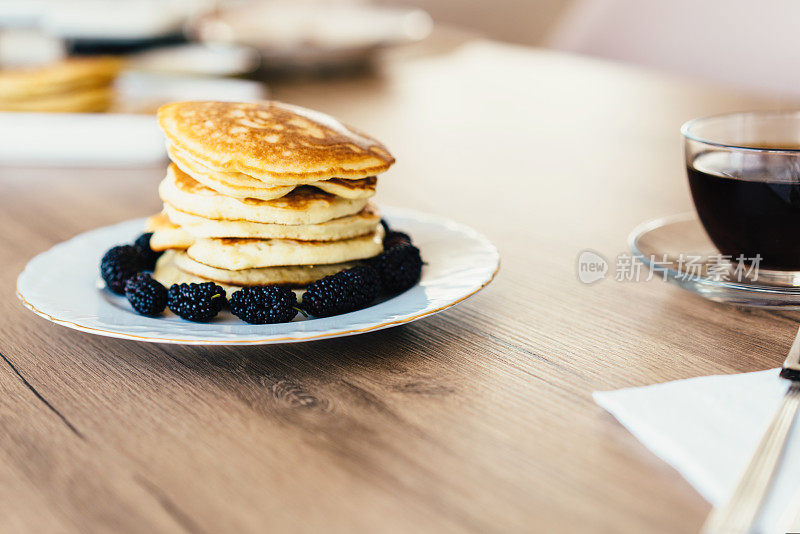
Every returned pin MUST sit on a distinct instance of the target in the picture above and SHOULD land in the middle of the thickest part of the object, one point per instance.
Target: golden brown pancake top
(271, 139)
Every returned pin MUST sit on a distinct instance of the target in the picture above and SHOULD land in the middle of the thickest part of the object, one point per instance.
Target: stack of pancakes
(76, 85)
(264, 193)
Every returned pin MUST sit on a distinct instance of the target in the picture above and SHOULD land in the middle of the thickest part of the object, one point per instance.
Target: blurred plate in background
(144, 92)
(223, 60)
(103, 26)
(309, 34)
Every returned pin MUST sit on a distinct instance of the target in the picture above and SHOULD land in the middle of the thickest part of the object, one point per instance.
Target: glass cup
(744, 175)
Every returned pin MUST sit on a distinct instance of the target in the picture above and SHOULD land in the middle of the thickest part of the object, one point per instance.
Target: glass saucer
(678, 249)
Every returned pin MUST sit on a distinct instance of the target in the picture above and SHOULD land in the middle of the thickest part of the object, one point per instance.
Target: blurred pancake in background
(70, 85)
(91, 100)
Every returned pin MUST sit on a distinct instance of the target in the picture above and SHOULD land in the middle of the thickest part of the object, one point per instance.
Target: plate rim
(274, 340)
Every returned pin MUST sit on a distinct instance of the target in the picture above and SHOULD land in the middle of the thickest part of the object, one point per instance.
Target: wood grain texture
(479, 419)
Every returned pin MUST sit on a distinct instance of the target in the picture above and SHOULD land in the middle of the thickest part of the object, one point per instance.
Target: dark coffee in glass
(744, 175)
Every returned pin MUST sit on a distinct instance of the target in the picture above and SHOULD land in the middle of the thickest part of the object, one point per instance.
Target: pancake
(274, 142)
(166, 234)
(362, 188)
(304, 205)
(239, 185)
(229, 184)
(88, 100)
(293, 275)
(361, 223)
(167, 273)
(191, 166)
(235, 254)
(175, 229)
(61, 77)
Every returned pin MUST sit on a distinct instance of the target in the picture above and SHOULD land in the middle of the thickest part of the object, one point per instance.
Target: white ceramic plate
(63, 285)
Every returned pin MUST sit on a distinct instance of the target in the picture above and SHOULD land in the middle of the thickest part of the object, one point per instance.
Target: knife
(739, 514)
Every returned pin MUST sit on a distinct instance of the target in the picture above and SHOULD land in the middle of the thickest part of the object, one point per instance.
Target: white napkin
(708, 427)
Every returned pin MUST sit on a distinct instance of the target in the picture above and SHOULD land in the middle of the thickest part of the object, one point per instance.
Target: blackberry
(264, 304)
(118, 264)
(345, 291)
(146, 295)
(399, 268)
(149, 256)
(196, 302)
(395, 239)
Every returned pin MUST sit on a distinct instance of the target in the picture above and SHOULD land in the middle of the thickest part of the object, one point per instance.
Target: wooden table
(479, 419)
